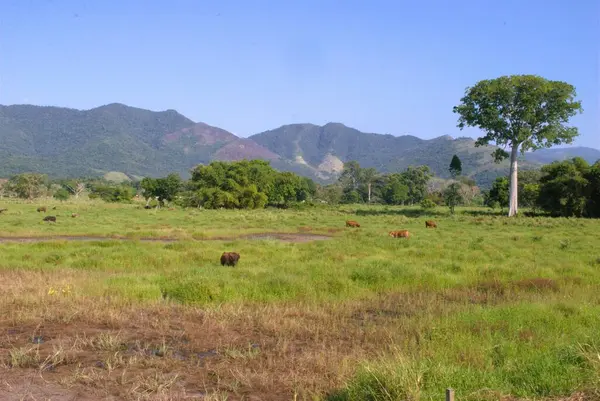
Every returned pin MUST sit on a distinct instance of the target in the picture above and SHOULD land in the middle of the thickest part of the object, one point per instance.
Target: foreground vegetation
(487, 305)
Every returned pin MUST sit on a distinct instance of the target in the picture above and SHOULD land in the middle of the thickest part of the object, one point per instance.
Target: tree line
(569, 188)
(563, 188)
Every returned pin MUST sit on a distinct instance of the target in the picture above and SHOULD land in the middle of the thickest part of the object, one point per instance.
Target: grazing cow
(147, 207)
(50, 218)
(229, 258)
(42, 209)
(3, 210)
(400, 234)
(352, 223)
(74, 215)
(430, 223)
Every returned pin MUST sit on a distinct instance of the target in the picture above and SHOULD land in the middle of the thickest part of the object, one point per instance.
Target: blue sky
(394, 67)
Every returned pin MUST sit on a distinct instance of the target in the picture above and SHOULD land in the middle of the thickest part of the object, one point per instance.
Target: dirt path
(285, 237)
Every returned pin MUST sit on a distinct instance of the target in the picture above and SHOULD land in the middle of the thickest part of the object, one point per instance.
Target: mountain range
(118, 138)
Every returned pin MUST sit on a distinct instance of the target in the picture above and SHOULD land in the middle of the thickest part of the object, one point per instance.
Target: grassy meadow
(495, 308)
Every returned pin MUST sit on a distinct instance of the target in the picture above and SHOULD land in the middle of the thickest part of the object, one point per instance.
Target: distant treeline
(566, 188)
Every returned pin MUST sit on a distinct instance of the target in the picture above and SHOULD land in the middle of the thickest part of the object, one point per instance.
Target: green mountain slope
(68, 142)
(118, 138)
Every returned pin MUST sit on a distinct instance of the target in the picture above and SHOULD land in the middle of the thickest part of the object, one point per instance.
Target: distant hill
(545, 156)
(121, 141)
(324, 148)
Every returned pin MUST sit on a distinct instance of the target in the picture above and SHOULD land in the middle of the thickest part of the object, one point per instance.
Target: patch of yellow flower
(66, 290)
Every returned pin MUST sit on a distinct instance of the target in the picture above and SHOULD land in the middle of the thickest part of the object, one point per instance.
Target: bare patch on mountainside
(243, 148)
(202, 134)
(331, 164)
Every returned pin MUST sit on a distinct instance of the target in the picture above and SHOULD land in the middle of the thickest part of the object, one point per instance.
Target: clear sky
(394, 67)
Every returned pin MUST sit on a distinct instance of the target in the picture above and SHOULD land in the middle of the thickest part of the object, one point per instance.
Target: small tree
(368, 176)
(497, 196)
(455, 167)
(452, 196)
(428, 204)
(61, 194)
(521, 112)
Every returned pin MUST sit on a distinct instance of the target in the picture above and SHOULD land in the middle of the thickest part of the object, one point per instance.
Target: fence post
(449, 394)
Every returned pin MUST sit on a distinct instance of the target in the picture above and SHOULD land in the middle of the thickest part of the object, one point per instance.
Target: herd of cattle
(232, 258)
(52, 218)
(395, 234)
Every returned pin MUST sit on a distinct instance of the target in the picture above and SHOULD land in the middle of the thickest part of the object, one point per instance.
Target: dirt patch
(126, 353)
(285, 237)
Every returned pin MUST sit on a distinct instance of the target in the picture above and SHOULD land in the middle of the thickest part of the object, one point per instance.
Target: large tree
(519, 113)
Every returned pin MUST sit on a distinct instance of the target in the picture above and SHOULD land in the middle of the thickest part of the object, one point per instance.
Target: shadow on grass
(401, 212)
(438, 212)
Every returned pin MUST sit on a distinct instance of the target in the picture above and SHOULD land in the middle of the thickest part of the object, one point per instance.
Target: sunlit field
(132, 303)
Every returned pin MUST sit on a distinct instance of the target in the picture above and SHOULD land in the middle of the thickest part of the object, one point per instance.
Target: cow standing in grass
(430, 224)
(399, 234)
(229, 258)
(42, 209)
(50, 218)
(352, 223)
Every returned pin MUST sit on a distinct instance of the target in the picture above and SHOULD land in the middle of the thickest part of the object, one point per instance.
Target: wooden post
(449, 394)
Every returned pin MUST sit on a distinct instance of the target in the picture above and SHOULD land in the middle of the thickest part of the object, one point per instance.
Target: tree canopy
(165, 189)
(246, 184)
(27, 185)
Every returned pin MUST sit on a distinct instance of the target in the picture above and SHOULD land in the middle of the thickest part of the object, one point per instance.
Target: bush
(61, 194)
(428, 204)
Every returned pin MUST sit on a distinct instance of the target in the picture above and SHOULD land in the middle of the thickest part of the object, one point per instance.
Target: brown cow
(42, 209)
(430, 223)
(352, 223)
(50, 218)
(74, 215)
(3, 210)
(229, 258)
(399, 234)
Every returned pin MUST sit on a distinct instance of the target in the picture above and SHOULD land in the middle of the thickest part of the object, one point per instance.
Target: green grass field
(490, 306)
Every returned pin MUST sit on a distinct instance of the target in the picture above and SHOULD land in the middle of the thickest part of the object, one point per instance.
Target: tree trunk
(369, 185)
(513, 192)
